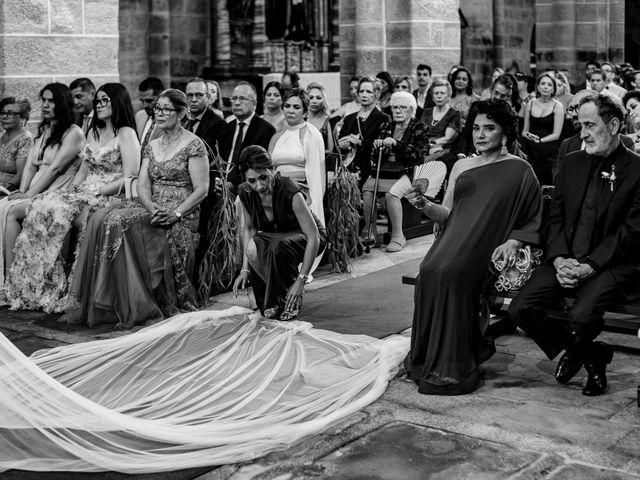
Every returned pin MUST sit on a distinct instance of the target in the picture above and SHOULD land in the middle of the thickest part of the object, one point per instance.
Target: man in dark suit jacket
(254, 130)
(232, 138)
(592, 247)
(202, 121)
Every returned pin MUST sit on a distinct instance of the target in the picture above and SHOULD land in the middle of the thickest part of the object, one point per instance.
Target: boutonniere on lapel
(611, 177)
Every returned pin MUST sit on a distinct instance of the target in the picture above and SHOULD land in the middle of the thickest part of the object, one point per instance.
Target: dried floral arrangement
(343, 200)
(218, 266)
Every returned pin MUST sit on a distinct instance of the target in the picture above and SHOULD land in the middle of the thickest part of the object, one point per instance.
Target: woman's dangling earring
(503, 150)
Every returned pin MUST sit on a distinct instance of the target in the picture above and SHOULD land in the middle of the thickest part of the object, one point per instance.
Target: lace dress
(128, 271)
(41, 157)
(38, 278)
(13, 157)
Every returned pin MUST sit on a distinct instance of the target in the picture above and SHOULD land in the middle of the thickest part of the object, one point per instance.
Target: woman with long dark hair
(38, 277)
(53, 162)
(136, 259)
(492, 207)
(462, 96)
(272, 96)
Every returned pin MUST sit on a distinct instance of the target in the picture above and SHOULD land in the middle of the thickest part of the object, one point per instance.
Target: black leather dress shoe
(566, 369)
(596, 379)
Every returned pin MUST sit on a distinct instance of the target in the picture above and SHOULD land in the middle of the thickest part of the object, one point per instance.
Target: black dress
(492, 203)
(280, 243)
(370, 130)
(542, 155)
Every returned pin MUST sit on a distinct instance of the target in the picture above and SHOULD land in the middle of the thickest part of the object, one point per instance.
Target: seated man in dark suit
(202, 120)
(592, 247)
(247, 129)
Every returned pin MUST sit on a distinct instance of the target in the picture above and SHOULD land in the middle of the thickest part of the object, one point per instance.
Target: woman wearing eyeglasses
(136, 263)
(37, 277)
(52, 163)
(15, 142)
(405, 144)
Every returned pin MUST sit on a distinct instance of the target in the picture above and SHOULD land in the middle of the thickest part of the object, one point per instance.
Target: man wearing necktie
(247, 129)
(592, 247)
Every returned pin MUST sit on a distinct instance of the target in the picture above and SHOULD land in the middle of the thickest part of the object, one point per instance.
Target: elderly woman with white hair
(404, 144)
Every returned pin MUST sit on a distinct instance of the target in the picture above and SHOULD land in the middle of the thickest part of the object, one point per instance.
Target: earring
(247, 188)
(503, 150)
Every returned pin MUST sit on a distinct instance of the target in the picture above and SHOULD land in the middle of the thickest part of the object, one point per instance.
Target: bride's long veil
(198, 389)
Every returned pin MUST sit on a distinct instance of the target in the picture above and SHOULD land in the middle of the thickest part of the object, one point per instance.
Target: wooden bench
(621, 318)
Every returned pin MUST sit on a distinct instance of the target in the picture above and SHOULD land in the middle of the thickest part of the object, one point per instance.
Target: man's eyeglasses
(163, 110)
(239, 99)
(199, 96)
(9, 114)
(102, 102)
(147, 101)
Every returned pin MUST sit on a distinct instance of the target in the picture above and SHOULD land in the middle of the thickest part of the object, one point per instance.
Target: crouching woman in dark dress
(492, 207)
(278, 233)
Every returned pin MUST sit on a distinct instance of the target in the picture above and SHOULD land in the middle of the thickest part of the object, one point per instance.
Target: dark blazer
(259, 132)
(616, 237)
(573, 144)
(208, 128)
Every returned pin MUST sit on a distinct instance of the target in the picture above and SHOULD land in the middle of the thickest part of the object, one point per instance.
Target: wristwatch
(304, 278)
(178, 214)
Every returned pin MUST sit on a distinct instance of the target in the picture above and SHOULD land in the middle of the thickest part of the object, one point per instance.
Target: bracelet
(302, 277)
(244, 270)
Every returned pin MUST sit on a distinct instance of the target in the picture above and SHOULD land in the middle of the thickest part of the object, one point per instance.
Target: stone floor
(520, 424)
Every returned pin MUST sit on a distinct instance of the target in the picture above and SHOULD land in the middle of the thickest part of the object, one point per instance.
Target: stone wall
(396, 36)
(43, 41)
(514, 21)
(570, 32)
(478, 53)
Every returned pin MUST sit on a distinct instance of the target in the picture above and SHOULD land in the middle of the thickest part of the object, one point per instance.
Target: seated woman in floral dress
(38, 275)
(135, 263)
(52, 163)
(15, 142)
(278, 233)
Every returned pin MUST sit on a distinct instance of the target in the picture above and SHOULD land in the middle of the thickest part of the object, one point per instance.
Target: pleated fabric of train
(198, 389)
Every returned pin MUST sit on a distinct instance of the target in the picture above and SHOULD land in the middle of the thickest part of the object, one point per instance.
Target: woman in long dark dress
(491, 208)
(278, 233)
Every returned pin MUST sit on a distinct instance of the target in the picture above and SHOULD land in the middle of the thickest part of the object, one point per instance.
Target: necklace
(166, 140)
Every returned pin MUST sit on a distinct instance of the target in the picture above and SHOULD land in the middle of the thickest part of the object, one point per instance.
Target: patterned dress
(130, 272)
(38, 278)
(13, 157)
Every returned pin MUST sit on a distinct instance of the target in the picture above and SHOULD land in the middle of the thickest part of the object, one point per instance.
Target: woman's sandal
(396, 245)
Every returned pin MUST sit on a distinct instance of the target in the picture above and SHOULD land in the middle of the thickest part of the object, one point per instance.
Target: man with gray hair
(592, 247)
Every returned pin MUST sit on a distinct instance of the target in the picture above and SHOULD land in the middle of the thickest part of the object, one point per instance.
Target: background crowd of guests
(105, 212)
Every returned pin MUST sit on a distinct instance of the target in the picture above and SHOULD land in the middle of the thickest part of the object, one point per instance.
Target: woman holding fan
(492, 207)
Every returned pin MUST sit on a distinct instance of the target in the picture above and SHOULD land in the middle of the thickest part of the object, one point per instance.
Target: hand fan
(435, 172)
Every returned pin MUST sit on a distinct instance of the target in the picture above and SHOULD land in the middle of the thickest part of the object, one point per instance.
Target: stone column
(570, 32)
(44, 41)
(398, 35)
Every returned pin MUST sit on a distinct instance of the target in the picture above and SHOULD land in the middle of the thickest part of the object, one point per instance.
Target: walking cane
(373, 204)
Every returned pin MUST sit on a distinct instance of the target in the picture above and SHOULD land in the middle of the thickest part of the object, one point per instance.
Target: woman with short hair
(15, 142)
(298, 150)
(404, 144)
(319, 113)
(442, 122)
